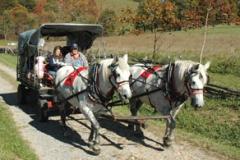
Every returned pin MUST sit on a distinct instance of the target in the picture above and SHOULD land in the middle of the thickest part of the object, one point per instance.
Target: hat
(74, 46)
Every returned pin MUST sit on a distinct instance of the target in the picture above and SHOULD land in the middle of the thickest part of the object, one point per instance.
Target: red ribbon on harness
(71, 77)
(146, 74)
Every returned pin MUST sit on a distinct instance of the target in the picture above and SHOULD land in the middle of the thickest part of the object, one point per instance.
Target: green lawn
(227, 80)
(8, 60)
(4, 42)
(12, 146)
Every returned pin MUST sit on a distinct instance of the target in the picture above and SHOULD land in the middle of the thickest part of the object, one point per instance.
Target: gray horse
(90, 96)
(166, 88)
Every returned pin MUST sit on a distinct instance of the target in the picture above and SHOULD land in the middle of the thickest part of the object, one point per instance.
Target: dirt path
(117, 142)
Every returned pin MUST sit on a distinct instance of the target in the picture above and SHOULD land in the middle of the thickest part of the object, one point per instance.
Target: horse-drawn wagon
(165, 88)
(32, 44)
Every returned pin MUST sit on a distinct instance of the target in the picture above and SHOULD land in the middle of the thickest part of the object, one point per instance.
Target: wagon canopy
(82, 34)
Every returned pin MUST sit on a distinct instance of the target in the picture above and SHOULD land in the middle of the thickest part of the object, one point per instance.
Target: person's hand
(62, 64)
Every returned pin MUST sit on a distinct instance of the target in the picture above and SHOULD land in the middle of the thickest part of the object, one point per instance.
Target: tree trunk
(154, 44)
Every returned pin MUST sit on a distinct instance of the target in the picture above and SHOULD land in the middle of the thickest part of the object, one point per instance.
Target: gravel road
(117, 142)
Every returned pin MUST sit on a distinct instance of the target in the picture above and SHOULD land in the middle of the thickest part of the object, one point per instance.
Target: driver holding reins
(75, 58)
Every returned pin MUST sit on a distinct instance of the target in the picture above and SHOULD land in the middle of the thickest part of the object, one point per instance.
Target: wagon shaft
(139, 120)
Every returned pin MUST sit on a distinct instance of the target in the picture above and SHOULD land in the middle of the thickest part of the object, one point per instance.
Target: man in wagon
(75, 58)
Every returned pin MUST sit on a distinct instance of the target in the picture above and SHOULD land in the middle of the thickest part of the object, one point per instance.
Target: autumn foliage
(150, 15)
(180, 14)
(18, 15)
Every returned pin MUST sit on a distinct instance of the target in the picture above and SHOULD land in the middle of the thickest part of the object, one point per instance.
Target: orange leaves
(76, 8)
(39, 8)
(152, 14)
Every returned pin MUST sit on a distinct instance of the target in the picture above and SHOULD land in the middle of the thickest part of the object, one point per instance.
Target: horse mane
(183, 66)
(106, 62)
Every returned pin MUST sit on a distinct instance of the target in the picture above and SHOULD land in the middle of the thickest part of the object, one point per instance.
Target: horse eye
(193, 82)
(200, 76)
(118, 75)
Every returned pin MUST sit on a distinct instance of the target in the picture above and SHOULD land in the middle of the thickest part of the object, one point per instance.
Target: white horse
(90, 97)
(166, 88)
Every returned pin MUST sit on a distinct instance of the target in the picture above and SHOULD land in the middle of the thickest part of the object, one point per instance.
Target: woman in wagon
(55, 61)
(75, 58)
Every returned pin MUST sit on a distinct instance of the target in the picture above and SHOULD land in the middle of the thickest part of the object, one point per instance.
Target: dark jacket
(53, 65)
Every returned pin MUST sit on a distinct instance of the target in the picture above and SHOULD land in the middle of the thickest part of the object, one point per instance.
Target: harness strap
(94, 92)
(171, 94)
(72, 96)
(137, 96)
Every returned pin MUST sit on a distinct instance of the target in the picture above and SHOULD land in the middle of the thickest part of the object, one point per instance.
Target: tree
(6, 25)
(192, 13)
(6, 4)
(153, 15)
(48, 11)
(107, 19)
(29, 4)
(79, 11)
(19, 19)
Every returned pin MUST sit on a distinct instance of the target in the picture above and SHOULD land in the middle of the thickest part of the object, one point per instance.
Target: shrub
(108, 20)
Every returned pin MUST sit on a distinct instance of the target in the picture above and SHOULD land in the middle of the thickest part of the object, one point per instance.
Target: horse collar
(171, 92)
(94, 90)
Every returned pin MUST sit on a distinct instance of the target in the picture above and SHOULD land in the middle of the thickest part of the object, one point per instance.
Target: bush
(108, 20)
(228, 65)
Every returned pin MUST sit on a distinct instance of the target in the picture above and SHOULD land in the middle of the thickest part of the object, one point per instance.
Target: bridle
(113, 79)
(192, 91)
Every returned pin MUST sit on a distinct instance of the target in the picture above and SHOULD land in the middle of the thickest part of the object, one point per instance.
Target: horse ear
(195, 67)
(115, 60)
(125, 57)
(207, 65)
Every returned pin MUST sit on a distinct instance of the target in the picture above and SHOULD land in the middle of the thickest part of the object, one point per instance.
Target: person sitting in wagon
(75, 58)
(55, 61)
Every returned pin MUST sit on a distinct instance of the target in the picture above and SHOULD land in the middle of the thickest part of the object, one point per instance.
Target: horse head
(195, 81)
(119, 77)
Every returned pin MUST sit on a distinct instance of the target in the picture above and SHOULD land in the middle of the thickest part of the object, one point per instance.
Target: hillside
(222, 39)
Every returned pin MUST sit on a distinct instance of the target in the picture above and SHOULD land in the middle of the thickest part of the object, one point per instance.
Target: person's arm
(68, 59)
(52, 63)
(84, 59)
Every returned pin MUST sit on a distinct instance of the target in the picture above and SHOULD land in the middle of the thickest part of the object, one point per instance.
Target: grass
(9, 60)
(222, 40)
(12, 146)
(227, 80)
(215, 127)
(5, 42)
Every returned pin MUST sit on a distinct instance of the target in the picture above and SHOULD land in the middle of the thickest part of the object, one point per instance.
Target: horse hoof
(139, 135)
(167, 142)
(95, 148)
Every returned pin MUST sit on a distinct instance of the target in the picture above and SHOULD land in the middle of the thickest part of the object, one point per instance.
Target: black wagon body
(30, 46)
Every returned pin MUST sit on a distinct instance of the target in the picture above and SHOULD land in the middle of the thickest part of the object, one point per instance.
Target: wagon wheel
(21, 94)
(42, 110)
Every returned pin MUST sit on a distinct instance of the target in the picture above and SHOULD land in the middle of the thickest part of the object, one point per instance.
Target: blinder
(113, 68)
(192, 91)
(114, 75)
